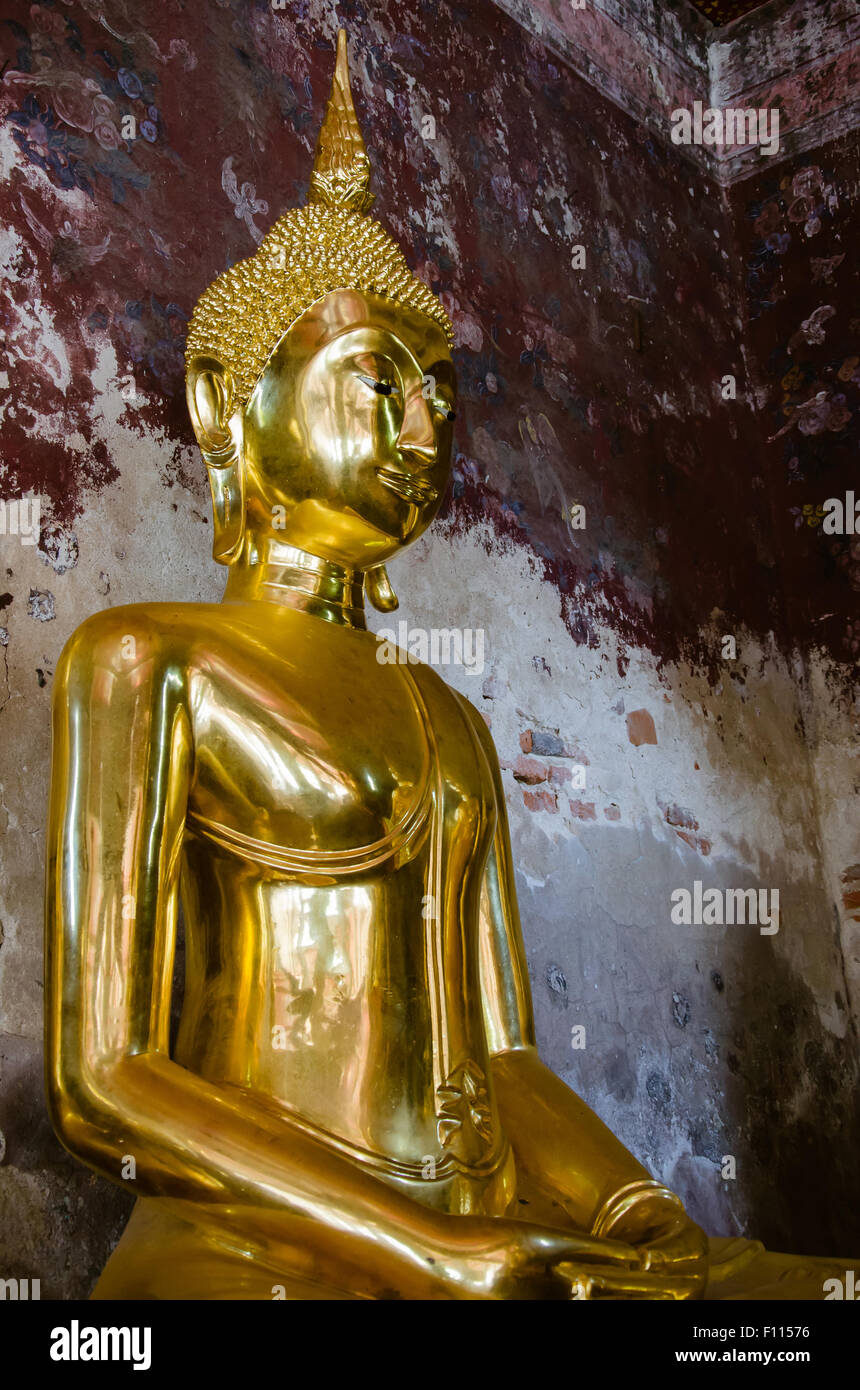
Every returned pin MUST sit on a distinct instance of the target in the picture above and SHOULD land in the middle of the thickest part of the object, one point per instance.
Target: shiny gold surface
(353, 1105)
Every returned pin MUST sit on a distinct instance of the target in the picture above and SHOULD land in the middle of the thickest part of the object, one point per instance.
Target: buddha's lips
(411, 486)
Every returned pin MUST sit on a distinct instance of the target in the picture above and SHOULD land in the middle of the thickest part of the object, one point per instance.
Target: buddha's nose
(417, 438)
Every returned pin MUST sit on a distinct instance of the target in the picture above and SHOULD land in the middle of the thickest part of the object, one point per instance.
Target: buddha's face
(347, 435)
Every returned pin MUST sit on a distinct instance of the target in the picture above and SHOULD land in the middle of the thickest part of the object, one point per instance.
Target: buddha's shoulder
(147, 617)
(133, 635)
(179, 639)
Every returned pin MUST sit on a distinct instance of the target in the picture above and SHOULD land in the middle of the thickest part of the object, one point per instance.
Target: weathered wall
(597, 387)
(798, 229)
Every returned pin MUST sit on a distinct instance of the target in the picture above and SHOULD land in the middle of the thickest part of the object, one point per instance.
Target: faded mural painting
(659, 392)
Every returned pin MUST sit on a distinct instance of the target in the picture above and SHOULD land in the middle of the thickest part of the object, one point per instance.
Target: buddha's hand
(496, 1257)
(679, 1248)
(670, 1245)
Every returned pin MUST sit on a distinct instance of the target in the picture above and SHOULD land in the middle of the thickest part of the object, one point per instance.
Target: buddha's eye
(445, 410)
(382, 388)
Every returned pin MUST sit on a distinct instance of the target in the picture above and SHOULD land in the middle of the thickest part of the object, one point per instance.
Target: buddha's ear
(211, 395)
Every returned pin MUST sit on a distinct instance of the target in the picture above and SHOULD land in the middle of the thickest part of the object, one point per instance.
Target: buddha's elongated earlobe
(211, 396)
(378, 588)
(227, 486)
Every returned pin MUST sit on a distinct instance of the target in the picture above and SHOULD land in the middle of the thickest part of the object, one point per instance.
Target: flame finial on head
(341, 173)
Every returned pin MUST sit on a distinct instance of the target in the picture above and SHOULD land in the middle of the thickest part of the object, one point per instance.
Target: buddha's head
(320, 381)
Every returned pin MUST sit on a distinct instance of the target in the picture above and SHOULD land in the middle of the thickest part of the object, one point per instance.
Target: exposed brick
(558, 775)
(850, 898)
(612, 812)
(530, 770)
(697, 842)
(547, 745)
(541, 800)
(679, 815)
(640, 727)
(583, 810)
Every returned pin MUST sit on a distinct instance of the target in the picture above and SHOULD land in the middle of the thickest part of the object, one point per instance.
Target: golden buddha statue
(353, 1105)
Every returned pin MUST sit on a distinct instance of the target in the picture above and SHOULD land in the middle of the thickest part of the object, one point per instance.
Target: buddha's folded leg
(743, 1269)
(159, 1256)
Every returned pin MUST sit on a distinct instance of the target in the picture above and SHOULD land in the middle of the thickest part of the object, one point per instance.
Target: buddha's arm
(557, 1138)
(121, 775)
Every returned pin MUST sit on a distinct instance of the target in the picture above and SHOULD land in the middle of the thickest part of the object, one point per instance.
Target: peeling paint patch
(41, 605)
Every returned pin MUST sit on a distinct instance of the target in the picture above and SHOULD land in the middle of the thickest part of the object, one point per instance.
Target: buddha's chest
(341, 812)
(320, 750)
